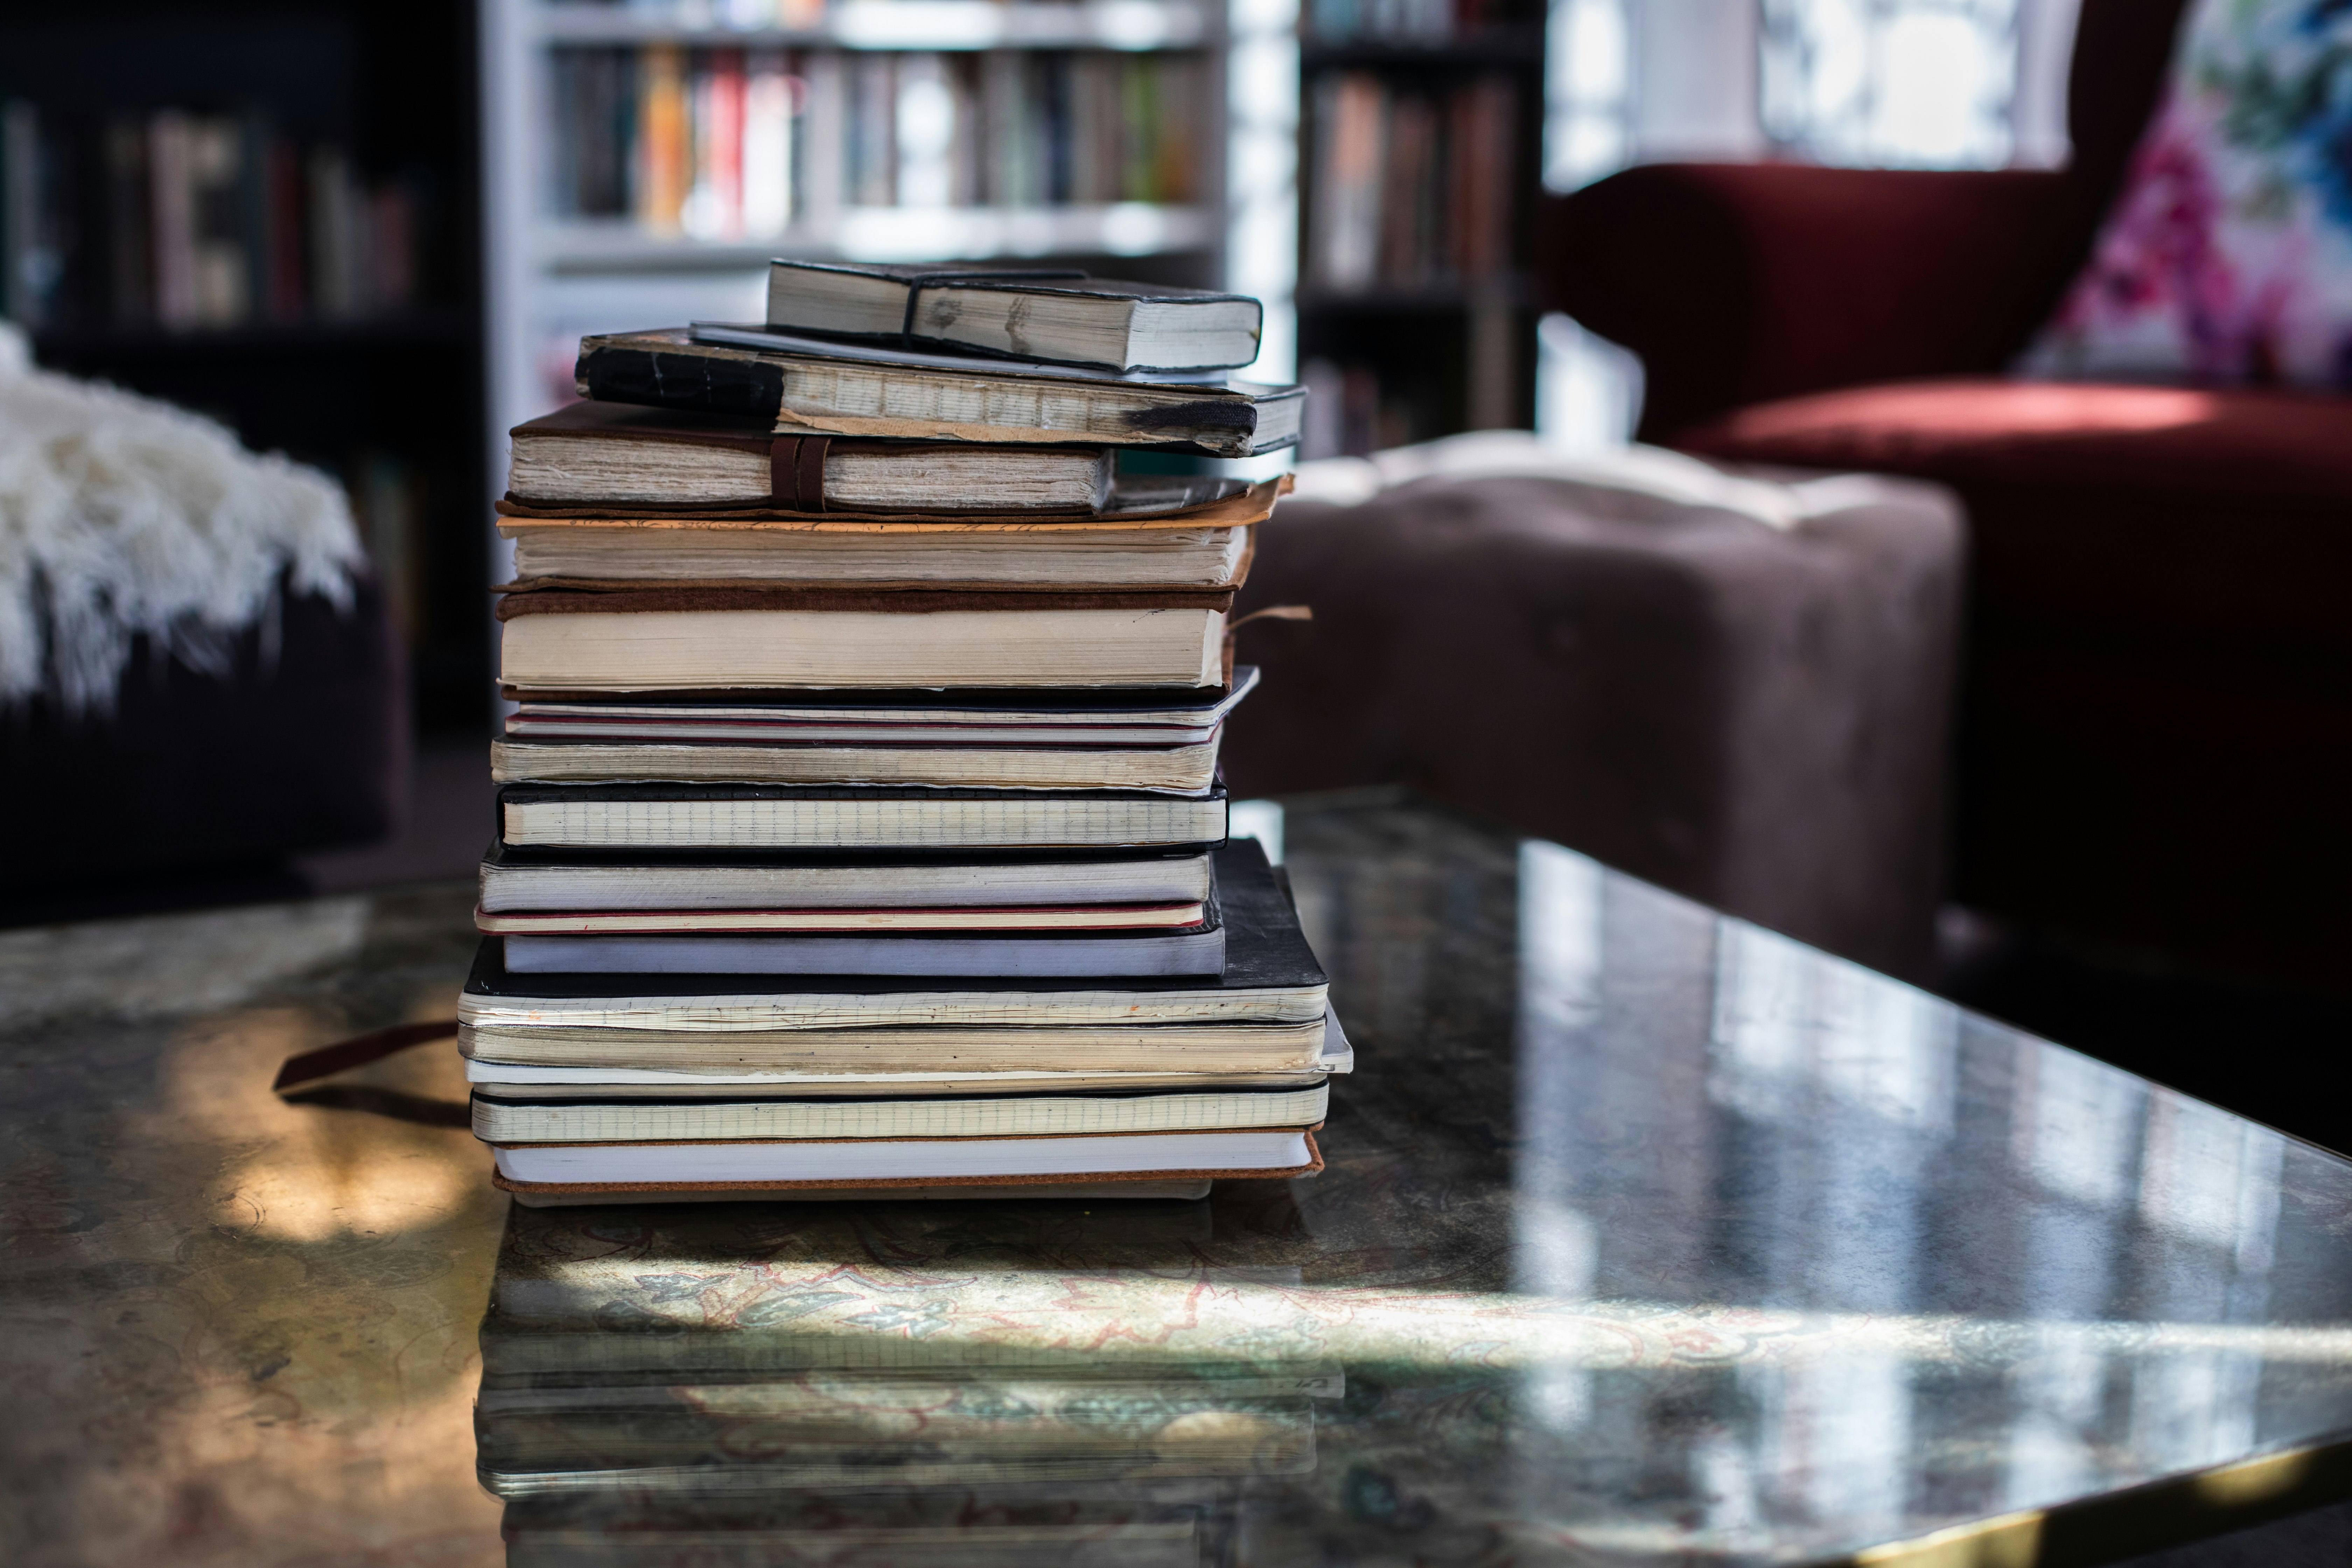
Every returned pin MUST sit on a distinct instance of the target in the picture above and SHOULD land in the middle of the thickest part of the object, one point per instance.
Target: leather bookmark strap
(796, 472)
(359, 1051)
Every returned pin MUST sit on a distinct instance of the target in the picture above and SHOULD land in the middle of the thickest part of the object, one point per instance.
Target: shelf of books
(1420, 134)
(243, 214)
(646, 162)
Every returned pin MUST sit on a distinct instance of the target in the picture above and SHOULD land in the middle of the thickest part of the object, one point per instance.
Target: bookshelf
(264, 210)
(642, 161)
(1420, 142)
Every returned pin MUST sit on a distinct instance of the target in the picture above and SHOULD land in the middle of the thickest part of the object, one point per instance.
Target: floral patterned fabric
(2228, 254)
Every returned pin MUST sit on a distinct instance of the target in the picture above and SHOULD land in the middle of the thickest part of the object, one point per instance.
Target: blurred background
(369, 237)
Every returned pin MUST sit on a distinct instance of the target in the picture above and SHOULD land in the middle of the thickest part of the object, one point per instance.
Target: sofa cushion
(2227, 253)
(1752, 715)
(2204, 512)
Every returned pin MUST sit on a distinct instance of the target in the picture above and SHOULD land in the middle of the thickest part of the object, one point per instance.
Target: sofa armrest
(1738, 282)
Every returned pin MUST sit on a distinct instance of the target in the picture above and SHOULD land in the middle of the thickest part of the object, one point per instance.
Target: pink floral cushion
(2228, 254)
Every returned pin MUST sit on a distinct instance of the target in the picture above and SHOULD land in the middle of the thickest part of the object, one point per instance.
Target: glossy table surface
(1645, 1237)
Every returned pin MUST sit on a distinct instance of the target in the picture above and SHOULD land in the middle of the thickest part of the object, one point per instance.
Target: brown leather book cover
(637, 599)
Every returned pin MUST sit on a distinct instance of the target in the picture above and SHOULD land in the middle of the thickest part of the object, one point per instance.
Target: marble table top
(1647, 1237)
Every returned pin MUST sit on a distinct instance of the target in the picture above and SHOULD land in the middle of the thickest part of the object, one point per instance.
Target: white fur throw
(121, 515)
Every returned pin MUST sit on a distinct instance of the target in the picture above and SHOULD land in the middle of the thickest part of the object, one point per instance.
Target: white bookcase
(549, 277)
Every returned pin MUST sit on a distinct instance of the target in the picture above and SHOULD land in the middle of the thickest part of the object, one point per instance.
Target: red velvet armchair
(2155, 731)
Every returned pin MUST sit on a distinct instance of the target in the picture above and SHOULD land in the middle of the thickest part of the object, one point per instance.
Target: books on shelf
(1410, 185)
(184, 220)
(727, 145)
(860, 826)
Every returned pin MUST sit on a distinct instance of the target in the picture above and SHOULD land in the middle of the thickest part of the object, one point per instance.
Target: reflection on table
(1644, 1233)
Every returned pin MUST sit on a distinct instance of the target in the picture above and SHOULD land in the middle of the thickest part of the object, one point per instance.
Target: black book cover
(1101, 704)
(1265, 950)
(1210, 906)
(668, 370)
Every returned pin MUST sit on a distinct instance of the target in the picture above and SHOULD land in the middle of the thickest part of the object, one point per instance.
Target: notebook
(1256, 1056)
(1069, 318)
(1198, 949)
(806, 387)
(510, 1116)
(1270, 976)
(583, 552)
(803, 817)
(614, 454)
(1188, 770)
(977, 718)
(886, 1161)
(515, 880)
(674, 639)
(1032, 917)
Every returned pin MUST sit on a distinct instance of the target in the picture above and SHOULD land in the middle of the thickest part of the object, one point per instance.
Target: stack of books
(860, 826)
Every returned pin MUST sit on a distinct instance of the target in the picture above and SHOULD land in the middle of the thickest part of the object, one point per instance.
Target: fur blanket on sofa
(121, 517)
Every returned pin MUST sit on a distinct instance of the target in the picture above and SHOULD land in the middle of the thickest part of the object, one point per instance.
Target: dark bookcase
(1420, 140)
(268, 213)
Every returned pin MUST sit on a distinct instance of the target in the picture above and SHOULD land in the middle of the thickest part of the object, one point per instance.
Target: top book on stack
(1054, 317)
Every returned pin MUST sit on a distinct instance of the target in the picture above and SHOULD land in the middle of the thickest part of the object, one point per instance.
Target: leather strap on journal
(796, 472)
(326, 1061)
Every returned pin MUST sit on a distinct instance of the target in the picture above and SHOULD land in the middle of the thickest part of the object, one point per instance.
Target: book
(1058, 318)
(663, 1046)
(1270, 976)
(1198, 949)
(509, 1116)
(616, 454)
(1188, 770)
(806, 387)
(836, 922)
(1100, 718)
(668, 638)
(1128, 544)
(803, 817)
(880, 1163)
(1408, 186)
(568, 1085)
(1193, 1058)
(515, 880)
(1128, 1190)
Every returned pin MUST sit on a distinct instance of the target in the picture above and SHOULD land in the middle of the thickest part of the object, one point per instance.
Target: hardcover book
(811, 387)
(1069, 318)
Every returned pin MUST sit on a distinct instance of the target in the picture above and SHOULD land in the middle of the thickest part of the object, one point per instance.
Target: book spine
(23, 297)
(661, 138)
(171, 187)
(824, 138)
(923, 130)
(769, 89)
(970, 138)
(873, 164)
(129, 213)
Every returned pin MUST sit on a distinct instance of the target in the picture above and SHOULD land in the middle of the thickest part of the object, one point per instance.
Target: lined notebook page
(862, 824)
(1039, 1117)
